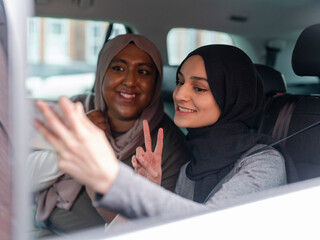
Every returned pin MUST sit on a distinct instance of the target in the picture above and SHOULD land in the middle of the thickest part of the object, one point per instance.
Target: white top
(43, 169)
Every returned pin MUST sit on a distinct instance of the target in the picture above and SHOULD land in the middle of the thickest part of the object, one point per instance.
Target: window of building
(181, 41)
(57, 41)
(34, 45)
(94, 39)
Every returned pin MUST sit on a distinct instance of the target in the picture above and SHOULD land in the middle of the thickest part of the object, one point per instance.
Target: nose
(180, 93)
(129, 79)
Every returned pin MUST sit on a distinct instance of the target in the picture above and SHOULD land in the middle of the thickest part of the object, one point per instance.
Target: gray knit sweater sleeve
(135, 197)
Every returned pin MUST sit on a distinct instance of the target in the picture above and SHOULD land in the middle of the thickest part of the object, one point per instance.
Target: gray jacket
(135, 197)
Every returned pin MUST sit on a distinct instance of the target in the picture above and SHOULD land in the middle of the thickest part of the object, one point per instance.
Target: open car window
(181, 41)
(62, 55)
(55, 52)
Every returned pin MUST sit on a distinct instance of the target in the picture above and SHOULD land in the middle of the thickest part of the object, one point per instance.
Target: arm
(133, 196)
(43, 169)
(258, 172)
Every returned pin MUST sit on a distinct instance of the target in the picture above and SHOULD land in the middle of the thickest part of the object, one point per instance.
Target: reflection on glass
(181, 41)
(62, 55)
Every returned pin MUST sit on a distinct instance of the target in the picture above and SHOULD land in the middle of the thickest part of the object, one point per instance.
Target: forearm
(135, 197)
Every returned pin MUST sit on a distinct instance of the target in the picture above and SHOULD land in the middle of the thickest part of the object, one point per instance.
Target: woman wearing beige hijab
(127, 91)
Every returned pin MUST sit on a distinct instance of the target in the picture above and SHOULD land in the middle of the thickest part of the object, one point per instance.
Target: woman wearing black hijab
(217, 92)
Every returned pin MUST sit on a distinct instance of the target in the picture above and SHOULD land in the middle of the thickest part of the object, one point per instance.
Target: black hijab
(238, 92)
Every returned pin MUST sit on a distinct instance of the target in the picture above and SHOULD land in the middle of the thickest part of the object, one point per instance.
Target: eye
(197, 89)
(179, 82)
(117, 68)
(144, 72)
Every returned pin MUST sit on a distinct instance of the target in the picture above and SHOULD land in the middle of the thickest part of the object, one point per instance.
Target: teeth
(185, 110)
(126, 95)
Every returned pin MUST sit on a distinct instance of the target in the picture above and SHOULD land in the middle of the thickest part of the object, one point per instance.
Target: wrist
(107, 179)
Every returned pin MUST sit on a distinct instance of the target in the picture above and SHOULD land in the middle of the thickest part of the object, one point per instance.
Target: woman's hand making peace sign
(148, 163)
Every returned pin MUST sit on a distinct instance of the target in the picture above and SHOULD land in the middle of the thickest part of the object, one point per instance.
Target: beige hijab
(125, 145)
(64, 192)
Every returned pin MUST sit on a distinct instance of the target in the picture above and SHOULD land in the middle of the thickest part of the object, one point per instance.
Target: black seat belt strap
(287, 137)
(282, 124)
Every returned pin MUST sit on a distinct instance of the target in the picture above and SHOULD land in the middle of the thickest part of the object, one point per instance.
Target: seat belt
(227, 177)
(282, 123)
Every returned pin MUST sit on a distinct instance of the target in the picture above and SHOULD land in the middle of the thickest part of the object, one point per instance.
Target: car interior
(282, 39)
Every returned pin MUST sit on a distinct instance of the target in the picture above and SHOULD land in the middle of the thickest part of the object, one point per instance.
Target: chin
(180, 123)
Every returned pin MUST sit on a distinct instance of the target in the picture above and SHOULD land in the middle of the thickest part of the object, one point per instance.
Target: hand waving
(148, 163)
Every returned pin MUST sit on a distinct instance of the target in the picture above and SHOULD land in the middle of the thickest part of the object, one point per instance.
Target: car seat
(273, 84)
(273, 80)
(289, 113)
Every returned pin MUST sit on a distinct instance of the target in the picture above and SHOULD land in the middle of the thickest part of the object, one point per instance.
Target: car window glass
(181, 41)
(62, 55)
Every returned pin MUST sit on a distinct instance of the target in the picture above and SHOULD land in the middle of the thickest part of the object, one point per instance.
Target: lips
(185, 110)
(127, 96)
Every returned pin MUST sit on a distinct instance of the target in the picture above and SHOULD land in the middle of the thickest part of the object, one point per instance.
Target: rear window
(181, 41)
(62, 55)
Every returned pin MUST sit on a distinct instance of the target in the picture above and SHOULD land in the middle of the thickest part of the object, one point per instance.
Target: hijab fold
(238, 91)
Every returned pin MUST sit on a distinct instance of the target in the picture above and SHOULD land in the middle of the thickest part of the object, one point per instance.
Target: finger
(52, 119)
(48, 135)
(76, 118)
(73, 113)
(159, 145)
(147, 136)
(139, 152)
(60, 129)
(134, 162)
(146, 165)
(137, 167)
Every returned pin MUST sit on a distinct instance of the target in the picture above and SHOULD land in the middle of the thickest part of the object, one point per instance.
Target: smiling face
(128, 86)
(194, 103)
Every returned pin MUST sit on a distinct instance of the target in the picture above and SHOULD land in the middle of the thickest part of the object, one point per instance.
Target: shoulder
(261, 152)
(267, 163)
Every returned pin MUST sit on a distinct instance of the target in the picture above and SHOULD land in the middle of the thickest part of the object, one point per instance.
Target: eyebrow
(194, 77)
(125, 62)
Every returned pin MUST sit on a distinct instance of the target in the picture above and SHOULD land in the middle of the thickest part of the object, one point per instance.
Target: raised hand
(148, 163)
(83, 149)
(98, 118)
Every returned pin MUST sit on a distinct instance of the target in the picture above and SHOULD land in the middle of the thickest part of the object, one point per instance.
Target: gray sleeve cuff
(118, 197)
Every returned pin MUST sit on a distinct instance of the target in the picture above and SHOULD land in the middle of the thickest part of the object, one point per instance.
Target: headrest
(169, 82)
(273, 80)
(306, 53)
